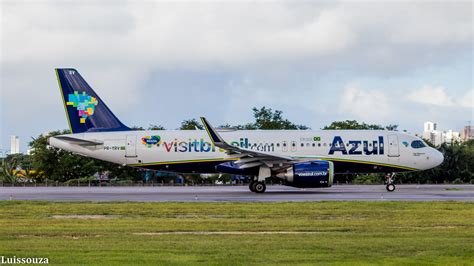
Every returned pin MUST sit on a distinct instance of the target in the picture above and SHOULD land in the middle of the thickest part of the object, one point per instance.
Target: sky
(382, 62)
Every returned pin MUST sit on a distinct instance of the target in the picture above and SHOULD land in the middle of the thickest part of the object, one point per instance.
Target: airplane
(298, 158)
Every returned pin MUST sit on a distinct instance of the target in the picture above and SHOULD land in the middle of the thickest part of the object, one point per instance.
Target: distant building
(467, 133)
(428, 129)
(14, 145)
(437, 137)
(429, 126)
(431, 134)
(452, 136)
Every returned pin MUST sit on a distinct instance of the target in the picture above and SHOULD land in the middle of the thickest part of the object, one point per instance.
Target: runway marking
(228, 233)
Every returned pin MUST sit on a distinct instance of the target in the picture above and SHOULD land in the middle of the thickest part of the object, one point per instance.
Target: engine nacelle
(309, 174)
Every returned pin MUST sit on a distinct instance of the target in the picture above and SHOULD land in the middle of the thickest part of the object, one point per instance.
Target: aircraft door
(131, 146)
(393, 148)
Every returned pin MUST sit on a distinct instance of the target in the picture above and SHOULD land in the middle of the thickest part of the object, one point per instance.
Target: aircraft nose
(438, 158)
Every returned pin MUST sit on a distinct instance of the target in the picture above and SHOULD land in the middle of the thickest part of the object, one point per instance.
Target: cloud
(208, 35)
(437, 96)
(468, 101)
(398, 106)
(431, 95)
(367, 105)
(163, 61)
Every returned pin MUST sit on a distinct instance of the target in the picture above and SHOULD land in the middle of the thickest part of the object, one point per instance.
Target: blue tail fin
(85, 111)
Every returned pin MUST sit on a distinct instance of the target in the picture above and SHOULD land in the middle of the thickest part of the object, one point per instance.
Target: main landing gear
(389, 181)
(257, 187)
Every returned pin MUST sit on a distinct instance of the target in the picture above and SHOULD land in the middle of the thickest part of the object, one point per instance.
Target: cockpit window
(416, 144)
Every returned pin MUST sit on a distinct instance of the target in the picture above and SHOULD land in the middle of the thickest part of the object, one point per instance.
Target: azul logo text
(357, 147)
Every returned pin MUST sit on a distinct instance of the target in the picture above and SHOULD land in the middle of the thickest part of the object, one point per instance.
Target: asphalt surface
(241, 193)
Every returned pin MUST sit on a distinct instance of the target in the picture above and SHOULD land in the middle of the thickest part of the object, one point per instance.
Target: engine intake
(309, 174)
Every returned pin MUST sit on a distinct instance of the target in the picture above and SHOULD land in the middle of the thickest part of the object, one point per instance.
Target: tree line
(47, 163)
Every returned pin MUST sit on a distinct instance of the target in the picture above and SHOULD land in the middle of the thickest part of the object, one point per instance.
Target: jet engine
(311, 174)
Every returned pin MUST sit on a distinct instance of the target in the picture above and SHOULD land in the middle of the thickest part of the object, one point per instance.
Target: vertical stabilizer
(85, 111)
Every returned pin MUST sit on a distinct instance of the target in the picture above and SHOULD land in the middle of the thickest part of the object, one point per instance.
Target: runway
(241, 193)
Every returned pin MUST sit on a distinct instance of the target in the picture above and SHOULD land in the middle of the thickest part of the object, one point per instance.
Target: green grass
(342, 233)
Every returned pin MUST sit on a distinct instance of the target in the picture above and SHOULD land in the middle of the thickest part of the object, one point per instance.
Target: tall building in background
(467, 133)
(14, 145)
(437, 137)
(429, 126)
(431, 134)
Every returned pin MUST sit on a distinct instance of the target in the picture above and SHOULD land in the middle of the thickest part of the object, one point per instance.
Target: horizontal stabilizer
(78, 141)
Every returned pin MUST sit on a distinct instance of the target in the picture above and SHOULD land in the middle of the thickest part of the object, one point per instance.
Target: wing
(249, 158)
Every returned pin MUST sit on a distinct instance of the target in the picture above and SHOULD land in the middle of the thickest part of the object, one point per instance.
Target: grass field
(239, 233)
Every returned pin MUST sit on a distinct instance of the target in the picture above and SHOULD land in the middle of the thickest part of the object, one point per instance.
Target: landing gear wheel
(390, 187)
(252, 186)
(259, 187)
(389, 181)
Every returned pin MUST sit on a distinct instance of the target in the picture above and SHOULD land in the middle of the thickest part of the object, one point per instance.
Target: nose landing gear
(389, 181)
(390, 187)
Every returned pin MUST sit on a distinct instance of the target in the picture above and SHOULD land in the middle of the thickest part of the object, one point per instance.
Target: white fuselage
(376, 148)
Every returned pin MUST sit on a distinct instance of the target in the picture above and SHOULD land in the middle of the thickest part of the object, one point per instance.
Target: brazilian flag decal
(317, 138)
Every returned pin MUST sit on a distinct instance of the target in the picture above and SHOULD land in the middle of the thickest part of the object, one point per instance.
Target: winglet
(215, 137)
(218, 141)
